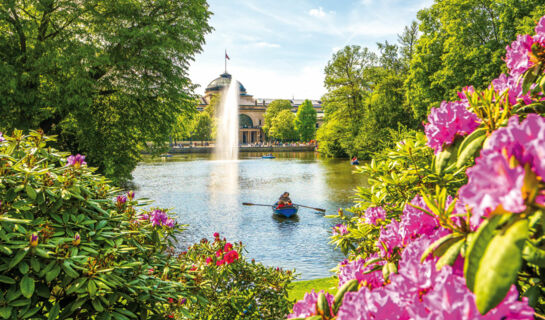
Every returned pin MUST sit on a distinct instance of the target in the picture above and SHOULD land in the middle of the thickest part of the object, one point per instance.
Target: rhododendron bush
(452, 224)
(74, 247)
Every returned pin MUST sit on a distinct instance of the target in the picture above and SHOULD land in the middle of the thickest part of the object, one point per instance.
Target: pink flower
(415, 222)
(170, 223)
(390, 238)
(340, 229)
(120, 200)
(216, 235)
(463, 95)
(373, 214)
(358, 270)
(208, 260)
(76, 161)
(494, 180)
(130, 195)
(503, 83)
(491, 183)
(448, 121)
(1, 137)
(307, 307)
(220, 262)
(518, 55)
(158, 217)
(228, 246)
(231, 256)
(540, 32)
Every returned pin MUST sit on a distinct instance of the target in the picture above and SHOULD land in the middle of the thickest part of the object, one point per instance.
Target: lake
(208, 195)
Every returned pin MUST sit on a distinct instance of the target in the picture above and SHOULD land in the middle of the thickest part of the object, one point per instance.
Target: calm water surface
(208, 195)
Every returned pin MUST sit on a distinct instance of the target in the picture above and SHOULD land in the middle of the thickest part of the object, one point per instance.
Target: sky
(278, 49)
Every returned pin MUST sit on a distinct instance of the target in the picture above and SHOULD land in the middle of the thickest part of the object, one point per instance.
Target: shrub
(73, 246)
(236, 288)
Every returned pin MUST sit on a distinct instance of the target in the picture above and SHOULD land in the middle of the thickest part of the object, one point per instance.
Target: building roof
(223, 81)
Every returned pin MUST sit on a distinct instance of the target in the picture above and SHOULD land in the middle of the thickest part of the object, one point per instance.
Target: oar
(268, 205)
(256, 204)
(317, 209)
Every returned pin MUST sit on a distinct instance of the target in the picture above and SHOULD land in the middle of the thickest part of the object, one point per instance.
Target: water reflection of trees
(338, 174)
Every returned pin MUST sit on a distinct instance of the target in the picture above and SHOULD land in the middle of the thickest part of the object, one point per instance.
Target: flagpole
(225, 58)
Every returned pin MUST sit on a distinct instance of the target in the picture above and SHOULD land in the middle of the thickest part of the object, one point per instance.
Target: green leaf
(450, 255)
(468, 150)
(91, 288)
(97, 305)
(6, 279)
(476, 249)
(54, 312)
(5, 312)
(69, 271)
(30, 192)
(442, 159)
(23, 267)
(35, 264)
(53, 273)
(500, 265)
(533, 254)
(349, 286)
(18, 257)
(27, 286)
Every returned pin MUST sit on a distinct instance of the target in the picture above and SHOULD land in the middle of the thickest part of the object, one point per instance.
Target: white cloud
(317, 12)
(264, 44)
(366, 2)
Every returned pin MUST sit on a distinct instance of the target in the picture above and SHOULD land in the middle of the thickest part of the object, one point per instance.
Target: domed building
(251, 110)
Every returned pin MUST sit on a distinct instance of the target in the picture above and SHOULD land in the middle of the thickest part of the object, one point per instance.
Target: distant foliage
(283, 127)
(273, 109)
(305, 121)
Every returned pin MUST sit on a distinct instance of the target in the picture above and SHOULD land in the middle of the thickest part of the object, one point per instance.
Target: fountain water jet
(227, 129)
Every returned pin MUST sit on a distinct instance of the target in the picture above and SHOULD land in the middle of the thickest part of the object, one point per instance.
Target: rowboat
(285, 211)
(268, 157)
(355, 162)
(165, 156)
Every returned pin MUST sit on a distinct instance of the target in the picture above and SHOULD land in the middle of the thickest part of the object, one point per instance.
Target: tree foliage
(305, 121)
(273, 109)
(104, 75)
(283, 126)
(462, 43)
(201, 128)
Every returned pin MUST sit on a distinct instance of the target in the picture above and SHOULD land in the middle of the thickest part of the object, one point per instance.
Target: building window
(259, 121)
(244, 121)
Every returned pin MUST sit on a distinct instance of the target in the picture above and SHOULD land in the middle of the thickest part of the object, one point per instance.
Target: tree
(283, 127)
(202, 127)
(305, 121)
(273, 109)
(106, 76)
(463, 43)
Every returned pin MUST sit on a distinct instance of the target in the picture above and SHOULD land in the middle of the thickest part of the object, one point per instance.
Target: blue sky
(279, 48)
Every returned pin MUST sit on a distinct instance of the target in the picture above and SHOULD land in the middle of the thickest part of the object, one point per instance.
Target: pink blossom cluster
(158, 218)
(496, 182)
(519, 53)
(2, 137)
(373, 214)
(513, 86)
(414, 222)
(451, 119)
(76, 161)
(420, 291)
(307, 307)
(340, 229)
(362, 270)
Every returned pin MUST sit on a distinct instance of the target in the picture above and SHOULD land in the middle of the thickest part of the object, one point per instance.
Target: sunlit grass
(328, 284)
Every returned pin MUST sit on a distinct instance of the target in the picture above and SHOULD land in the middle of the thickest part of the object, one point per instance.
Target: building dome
(221, 82)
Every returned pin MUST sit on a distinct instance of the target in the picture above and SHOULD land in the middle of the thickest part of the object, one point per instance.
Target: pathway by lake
(207, 195)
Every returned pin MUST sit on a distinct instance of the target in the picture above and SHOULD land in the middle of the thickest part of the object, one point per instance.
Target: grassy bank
(299, 289)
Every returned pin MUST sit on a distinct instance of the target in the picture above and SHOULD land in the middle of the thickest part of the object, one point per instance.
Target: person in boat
(354, 159)
(284, 200)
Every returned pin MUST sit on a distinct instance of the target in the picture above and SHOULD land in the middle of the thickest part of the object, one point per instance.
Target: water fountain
(227, 129)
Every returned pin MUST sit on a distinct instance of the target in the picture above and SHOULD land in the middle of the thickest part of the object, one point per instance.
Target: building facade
(251, 110)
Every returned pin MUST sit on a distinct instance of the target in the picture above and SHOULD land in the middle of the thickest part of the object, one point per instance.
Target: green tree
(305, 121)
(105, 75)
(283, 127)
(463, 43)
(202, 127)
(273, 109)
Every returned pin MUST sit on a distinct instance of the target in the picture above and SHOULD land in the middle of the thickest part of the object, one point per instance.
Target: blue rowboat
(285, 211)
(268, 157)
(165, 156)
(356, 162)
